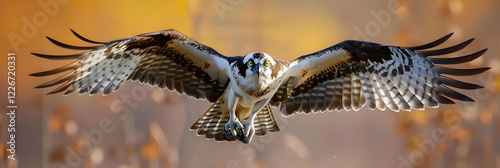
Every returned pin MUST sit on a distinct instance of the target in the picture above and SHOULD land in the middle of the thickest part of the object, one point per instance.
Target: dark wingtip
(461, 72)
(459, 84)
(85, 39)
(71, 47)
(469, 100)
(432, 44)
(73, 66)
(448, 50)
(458, 60)
(454, 94)
(39, 86)
(36, 74)
(41, 55)
(485, 69)
(60, 88)
(58, 57)
(51, 39)
(444, 100)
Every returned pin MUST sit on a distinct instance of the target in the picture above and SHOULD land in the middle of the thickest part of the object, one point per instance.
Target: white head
(256, 70)
(259, 63)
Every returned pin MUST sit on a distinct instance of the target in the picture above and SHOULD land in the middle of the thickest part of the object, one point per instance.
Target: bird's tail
(212, 123)
(264, 121)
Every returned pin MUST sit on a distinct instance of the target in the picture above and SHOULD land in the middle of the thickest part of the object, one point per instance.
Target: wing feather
(352, 74)
(346, 93)
(368, 91)
(85, 39)
(356, 91)
(166, 59)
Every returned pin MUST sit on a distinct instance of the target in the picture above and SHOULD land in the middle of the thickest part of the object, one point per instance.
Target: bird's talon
(228, 135)
(248, 126)
(232, 127)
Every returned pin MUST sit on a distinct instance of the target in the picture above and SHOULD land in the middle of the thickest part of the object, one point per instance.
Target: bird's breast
(258, 92)
(254, 87)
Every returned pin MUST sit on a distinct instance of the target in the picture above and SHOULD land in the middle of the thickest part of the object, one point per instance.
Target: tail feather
(264, 121)
(212, 123)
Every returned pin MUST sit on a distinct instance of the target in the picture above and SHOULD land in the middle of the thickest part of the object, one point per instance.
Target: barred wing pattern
(352, 74)
(165, 59)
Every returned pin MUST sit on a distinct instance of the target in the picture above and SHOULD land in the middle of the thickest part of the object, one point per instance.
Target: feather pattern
(166, 59)
(398, 78)
(212, 123)
(264, 122)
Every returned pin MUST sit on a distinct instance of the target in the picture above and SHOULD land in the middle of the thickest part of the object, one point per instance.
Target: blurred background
(140, 126)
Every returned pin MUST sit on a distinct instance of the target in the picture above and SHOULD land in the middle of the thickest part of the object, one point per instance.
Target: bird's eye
(267, 63)
(250, 63)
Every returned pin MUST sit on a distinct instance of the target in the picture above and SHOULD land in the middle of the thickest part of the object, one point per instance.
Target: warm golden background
(155, 132)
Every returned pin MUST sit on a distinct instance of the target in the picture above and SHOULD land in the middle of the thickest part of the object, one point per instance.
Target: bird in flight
(346, 76)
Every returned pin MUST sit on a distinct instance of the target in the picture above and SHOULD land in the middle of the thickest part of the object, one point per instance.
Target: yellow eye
(267, 63)
(250, 63)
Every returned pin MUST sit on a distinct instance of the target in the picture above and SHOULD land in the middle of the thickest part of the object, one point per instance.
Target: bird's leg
(233, 122)
(248, 123)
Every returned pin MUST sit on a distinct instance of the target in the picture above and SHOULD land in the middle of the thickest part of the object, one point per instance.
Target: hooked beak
(255, 69)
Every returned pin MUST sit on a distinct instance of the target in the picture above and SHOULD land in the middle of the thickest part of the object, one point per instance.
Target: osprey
(345, 76)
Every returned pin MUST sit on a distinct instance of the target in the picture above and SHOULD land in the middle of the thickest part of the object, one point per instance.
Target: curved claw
(232, 127)
(229, 127)
(248, 127)
(243, 131)
(249, 131)
(248, 136)
(239, 131)
(228, 135)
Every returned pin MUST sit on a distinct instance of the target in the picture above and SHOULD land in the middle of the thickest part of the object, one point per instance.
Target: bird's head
(259, 64)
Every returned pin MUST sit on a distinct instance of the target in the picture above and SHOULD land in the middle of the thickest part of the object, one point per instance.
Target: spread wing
(165, 59)
(352, 74)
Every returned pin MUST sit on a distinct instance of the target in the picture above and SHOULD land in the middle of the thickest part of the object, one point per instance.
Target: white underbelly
(247, 92)
(247, 100)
